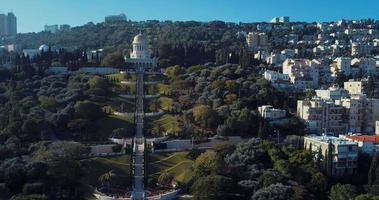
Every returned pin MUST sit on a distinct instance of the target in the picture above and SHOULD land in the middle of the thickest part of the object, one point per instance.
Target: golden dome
(140, 38)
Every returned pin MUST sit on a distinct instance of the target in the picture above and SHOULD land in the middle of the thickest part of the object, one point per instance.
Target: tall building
(257, 40)
(8, 24)
(322, 115)
(361, 112)
(3, 24)
(115, 18)
(11, 24)
(140, 55)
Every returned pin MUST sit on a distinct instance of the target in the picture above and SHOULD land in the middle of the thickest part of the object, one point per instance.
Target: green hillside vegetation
(95, 167)
(166, 103)
(176, 164)
(168, 124)
(109, 123)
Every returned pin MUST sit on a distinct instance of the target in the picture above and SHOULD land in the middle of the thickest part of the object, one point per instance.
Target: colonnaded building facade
(140, 56)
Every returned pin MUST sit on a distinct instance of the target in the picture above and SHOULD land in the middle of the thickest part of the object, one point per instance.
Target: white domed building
(44, 48)
(140, 56)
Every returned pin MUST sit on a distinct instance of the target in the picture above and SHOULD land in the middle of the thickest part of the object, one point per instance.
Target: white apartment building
(277, 80)
(322, 116)
(270, 113)
(344, 155)
(342, 65)
(362, 113)
(356, 87)
(303, 73)
(332, 93)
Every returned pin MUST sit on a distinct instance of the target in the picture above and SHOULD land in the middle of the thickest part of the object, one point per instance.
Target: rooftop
(331, 139)
(364, 138)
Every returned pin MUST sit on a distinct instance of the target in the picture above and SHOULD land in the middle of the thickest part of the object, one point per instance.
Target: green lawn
(107, 124)
(95, 167)
(177, 164)
(116, 101)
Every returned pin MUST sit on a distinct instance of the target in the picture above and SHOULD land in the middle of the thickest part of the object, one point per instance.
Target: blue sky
(34, 14)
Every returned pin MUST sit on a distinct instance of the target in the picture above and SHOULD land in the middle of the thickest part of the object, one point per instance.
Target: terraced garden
(95, 167)
(176, 164)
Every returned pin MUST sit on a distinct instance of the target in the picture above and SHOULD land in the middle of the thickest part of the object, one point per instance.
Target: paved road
(139, 142)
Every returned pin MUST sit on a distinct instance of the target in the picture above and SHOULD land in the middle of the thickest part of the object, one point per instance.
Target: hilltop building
(115, 18)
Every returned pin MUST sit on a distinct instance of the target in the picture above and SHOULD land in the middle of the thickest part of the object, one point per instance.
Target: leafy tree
(206, 164)
(113, 60)
(366, 197)
(273, 192)
(98, 82)
(47, 102)
(106, 178)
(59, 151)
(205, 116)
(211, 187)
(373, 175)
(342, 192)
(88, 110)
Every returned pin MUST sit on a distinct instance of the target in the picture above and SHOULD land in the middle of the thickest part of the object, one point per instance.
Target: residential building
(31, 53)
(3, 25)
(303, 73)
(8, 24)
(361, 113)
(341, 65)
(277, 80)
(354, 87)
(358, 49)
(363, 65)
(322, 115)
(366, 143)
(11, 24)
(115, 18)
(341, 152)
(52, 28)
(256, 40)
(271, 114)
(332, 93)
